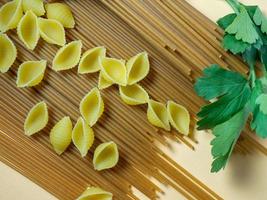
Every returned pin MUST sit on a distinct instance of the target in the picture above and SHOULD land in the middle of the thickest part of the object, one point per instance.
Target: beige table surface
(248, 181)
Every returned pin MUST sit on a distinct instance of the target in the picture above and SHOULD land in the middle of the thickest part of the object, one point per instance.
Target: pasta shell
(31, 73)
(10, 15)
(137, 68)
(8, 53)
(95, 193)
(102, 82)
(36, 119)
(37, 6)
(179, 117)
(82, 136)
(60, 135)
(106, 156)
(60, 12)
(67, 56)
(133, 94)
(52, 31)
(91, 60)
(114, 70)
(157, 115)
(28, 31)
(92, 106)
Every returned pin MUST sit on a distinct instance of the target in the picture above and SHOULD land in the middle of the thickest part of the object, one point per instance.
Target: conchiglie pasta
(157, 115)
(67, 56)
(60, 12)
(60, 135)
(133, 94)
(102, 82)
(36, 119)
(8, 53)
(31, 73)
(179, 117)
(106, 156)
(95, 193)
(92, 106)
(37, 6)
(82, 136)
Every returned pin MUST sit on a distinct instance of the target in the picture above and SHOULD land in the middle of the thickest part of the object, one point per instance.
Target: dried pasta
(106, 156)
(60, 135)
(95, 193)
(8, 53)
(36, 119)
(31, 73)
(60, 12)
(102, 82)
(137, 68)
(92, 106)
(67, 56)
(157, 115)
(82, 136)
(36, 6)
(133, 94)
(91, 60)
(52, 31)
(28, 31)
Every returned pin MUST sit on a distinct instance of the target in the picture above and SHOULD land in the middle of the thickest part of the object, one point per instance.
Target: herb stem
(234, 4)
(252, 76)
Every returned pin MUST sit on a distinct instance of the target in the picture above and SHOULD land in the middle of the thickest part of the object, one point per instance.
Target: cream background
(244, 178)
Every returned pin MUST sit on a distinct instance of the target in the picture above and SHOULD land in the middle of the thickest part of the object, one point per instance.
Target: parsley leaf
(235, 46)
(260, 20)
(225, 21)
(262, 102)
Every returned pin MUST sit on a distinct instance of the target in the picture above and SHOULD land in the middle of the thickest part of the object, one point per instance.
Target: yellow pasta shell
(52, 31)
(102, 82)
(92, 106)
(28, 30)
(31, 73)
(157, 115)
(179, 117)
(37, 6)
(8, 53)
(137, 68)
(82, 136)
(60, 135)
(67, 56)
(95, 193)
(91, 60)
(106, 156)
(36, 119)
(133, 94)
(60, 12)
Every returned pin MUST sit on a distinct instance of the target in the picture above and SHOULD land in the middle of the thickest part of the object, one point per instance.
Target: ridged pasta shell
(102, 82)
(8, 53)
(67, 56)
(31, 73)
(10, 15)
(52, 31)
(28, 30)
(95, 193)
(91, 60)
(114, 70)
(37, 6)
(36, 119)
(106, 156)
(82, 136)
(179, 117)
(137, 68)
(92, 106)
(60, 12)
(157, 115)
(133, 94)
(60, 135)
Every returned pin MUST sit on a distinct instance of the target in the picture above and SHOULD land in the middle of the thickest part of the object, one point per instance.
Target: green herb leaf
(262, 102)
(259, 123)
(225, 21)
(260, 20)
(235, 46)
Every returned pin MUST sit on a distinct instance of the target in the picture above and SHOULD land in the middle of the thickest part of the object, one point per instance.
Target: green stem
(234, 4)
(252, 76)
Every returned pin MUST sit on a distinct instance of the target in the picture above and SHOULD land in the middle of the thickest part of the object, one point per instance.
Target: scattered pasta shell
(114, 70)
(28, 31)
(60, 12)
(91, 60)
(92, 106)
(106, 156)
(137, 68)
(133, 94)
(179, 117)
(157, 115)
(8, 53)
(102, 82)
(52, 31)
(95, 193)
(82, 136)
(36, 6)
(60, 135)
(67, 56)
(31, 73)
